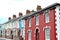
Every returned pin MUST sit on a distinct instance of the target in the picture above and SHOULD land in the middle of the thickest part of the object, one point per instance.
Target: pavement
(5, 39)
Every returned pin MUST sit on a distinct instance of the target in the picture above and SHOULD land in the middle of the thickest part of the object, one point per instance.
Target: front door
(37, 34)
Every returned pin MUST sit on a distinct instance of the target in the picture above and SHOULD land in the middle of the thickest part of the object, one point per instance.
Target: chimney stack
(32, 11)
(14, 16)
(9, 18)
(27, 11)
(38, 8)
(20, 14)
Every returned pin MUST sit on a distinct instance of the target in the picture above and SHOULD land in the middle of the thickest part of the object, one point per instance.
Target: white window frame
(29, 22)
(21, 34)
(3, 32)
(23, 23)
(8, 32)
(37, 19)
(14, 24)
(47, 34)
(0, 33)
(47, 16)
(8, 25)
(14, 32)
(29, 35)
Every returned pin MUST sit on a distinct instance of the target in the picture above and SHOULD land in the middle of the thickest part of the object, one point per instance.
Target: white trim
(37, 28)
(47, 34)
(29, 30)
(37, 19)
(29, 34)
(57, 22)
(29, 22)
(47, 12)
(47, 27)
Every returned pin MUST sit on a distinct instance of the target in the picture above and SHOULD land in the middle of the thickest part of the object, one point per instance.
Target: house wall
(22, 28)
(16, 26)
(42, 25)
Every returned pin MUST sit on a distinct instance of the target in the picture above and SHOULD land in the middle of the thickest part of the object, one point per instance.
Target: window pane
(14, 32)
(29, 35)
(47, 34)
(15, 24)
(47, 17)
(29, 22)
(0, 32)
(3, 32)
(8, 32)
(37, 20)
(21, 24)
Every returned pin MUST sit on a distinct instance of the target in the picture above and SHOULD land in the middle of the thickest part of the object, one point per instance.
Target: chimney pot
(14, 16)
(32, 11)
(27, 11)
(38, 8)
(9, 18)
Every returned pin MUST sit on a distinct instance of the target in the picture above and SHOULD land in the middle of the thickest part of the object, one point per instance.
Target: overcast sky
(10, 7)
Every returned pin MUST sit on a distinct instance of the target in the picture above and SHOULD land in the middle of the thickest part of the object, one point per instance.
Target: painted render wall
(57, 21)
(22, 28)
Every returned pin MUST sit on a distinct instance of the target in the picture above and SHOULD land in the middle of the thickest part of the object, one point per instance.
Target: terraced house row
(43, 24)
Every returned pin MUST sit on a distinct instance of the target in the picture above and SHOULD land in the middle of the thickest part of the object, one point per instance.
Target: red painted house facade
(41, 25)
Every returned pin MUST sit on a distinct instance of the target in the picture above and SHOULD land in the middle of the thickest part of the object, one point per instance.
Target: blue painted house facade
(22, 27)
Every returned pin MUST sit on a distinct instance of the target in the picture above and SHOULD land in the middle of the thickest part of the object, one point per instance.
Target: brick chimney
(32, 11)
(9, 18)
(14, 16)
(27, 11)
(38, 8)
(20, 14)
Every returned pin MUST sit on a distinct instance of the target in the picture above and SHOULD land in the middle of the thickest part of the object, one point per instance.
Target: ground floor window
(47, 34)
(3, 32)
(8, 32)
(0, 33)
(29, 35)
(14, 32)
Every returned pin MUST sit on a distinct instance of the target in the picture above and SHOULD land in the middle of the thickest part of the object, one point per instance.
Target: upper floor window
(22, 23)
(29, 22)
(47, 34)
(14, 24)
(8, 32)
(29, 35)
(3, 32)
(47, 16)
(37, 19)
(8, 25)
